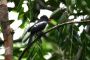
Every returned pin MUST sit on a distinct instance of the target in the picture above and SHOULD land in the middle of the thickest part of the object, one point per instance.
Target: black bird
(38, 27)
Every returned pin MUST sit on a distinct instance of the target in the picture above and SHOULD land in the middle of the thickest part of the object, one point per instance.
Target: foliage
(64, 42)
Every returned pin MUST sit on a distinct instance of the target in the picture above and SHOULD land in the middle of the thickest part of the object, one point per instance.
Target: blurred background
(67, 42)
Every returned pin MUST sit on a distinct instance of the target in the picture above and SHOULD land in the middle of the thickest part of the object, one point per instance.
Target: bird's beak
(49, 20)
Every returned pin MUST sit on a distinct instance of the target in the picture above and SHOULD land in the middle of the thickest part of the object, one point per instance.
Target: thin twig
(65, 23)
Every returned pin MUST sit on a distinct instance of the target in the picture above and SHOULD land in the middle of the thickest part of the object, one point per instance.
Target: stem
(65, 23)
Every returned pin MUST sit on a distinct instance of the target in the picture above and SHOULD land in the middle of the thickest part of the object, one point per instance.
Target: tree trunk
(7, 33)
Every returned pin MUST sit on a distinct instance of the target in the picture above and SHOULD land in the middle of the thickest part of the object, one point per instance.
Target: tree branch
(65, 23)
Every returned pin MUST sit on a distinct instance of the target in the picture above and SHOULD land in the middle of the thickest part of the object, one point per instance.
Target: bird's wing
(39, 26)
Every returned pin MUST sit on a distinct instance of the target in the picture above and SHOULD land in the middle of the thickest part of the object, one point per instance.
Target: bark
(6, 30)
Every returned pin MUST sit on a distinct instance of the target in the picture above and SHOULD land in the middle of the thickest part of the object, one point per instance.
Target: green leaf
(19, 5)
(73, 2)
(87, 36)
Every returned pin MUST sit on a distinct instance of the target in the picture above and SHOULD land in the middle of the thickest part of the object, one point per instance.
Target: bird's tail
(27, 47)
(30, 38)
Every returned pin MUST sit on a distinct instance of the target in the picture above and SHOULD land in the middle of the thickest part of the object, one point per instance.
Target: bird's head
(44, 18)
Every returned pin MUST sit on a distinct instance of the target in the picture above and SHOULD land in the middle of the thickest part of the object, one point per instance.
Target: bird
(38, 27)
